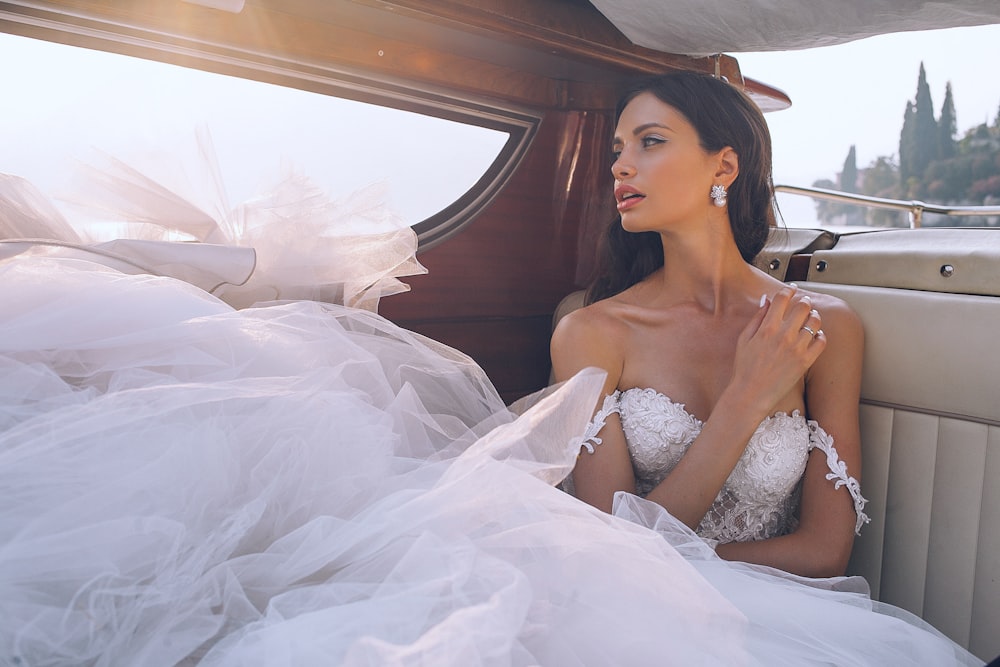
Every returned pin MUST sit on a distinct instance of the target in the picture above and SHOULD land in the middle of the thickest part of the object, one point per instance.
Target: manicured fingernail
(763, 300)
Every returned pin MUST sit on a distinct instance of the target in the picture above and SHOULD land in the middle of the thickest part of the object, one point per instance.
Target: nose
(620, 168)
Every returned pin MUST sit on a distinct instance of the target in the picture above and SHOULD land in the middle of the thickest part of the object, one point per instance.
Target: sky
(60, 103)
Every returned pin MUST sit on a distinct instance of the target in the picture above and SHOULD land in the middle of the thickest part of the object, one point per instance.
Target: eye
(615, 154)
(652, 140)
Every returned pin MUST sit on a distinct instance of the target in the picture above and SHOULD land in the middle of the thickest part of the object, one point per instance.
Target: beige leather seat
(930, 420)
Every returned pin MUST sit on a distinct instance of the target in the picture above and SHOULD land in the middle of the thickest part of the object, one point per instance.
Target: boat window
(435, 164)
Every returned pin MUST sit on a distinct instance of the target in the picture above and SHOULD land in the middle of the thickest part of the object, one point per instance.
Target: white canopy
(706, 27)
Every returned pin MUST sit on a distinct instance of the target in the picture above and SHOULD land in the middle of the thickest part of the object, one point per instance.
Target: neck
(705, 268)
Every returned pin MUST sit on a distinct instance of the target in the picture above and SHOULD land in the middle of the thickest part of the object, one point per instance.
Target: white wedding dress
(304, 483)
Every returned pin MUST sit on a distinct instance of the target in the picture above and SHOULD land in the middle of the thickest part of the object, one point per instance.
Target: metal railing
(914, 209)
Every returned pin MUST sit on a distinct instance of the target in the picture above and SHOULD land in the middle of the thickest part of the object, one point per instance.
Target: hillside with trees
(933, 165)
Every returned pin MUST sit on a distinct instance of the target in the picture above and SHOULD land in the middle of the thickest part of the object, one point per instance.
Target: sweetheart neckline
(781, 414)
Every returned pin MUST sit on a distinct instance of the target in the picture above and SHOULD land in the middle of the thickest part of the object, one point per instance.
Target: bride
(301, 482)
(712, 365)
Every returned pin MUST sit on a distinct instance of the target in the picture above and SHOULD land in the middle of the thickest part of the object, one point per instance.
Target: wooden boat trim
(558, 55)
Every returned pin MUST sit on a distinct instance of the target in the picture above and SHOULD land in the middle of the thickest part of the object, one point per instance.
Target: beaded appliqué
(609, 407)
(838, 471)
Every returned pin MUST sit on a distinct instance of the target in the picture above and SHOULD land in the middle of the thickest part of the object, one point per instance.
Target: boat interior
(511, 255)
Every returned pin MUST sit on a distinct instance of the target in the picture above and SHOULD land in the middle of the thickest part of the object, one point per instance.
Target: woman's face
(662, 174)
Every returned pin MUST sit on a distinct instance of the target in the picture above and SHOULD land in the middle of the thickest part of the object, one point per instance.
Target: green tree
(849, 174)
(853, 214)
(925, 127)
(881, 179)
(907, 145)
(947, 126)
(946, 180)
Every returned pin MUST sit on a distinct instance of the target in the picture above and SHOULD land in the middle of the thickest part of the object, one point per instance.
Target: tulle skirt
(303, 484)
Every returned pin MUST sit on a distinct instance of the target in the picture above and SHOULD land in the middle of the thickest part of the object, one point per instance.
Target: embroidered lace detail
(609, 407)
(838, 471)
(761, 497)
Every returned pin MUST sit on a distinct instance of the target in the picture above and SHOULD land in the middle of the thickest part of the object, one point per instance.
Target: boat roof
(704, 27)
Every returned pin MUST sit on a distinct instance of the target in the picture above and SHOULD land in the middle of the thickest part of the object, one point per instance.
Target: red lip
(627, 197)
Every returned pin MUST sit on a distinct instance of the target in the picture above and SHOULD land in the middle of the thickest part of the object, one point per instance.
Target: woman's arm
(588, 338)
(821, 545)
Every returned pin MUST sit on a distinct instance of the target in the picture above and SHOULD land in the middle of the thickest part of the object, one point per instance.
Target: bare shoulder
(597, 319)
(591, 336)
(840, 323)
(845, 339)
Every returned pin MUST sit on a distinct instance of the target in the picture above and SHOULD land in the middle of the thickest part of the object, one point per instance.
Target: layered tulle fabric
(304, 483)
(172, 218)
(296, 484)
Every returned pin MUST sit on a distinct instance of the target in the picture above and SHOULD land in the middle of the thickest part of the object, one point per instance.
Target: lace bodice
(760, 498)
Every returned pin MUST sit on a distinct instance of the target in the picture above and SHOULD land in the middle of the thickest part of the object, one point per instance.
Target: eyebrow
(642, 128)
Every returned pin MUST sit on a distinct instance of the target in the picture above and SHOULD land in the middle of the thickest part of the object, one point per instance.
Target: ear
(728, 166)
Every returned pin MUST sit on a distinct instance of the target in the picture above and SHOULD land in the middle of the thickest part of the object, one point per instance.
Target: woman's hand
(776, 348)
(821, 545)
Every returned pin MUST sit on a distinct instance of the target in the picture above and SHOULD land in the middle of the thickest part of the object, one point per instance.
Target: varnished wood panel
(526, 251)
(551, 54)
(510, 350)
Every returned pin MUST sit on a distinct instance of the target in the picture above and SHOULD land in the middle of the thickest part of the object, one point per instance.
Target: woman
(703, 347)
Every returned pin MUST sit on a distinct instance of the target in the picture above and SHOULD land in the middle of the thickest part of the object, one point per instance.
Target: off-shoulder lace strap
(838, 471)
(609, 406)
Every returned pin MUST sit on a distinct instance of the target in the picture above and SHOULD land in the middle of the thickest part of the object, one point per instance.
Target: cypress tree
(947, 126)
(907, 146)
(849, 174)
(853, 214)
(925, 127)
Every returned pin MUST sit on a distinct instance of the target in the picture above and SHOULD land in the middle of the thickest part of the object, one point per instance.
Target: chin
(632, 223)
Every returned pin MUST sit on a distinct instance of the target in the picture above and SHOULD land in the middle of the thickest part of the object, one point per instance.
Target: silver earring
(718, 195)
